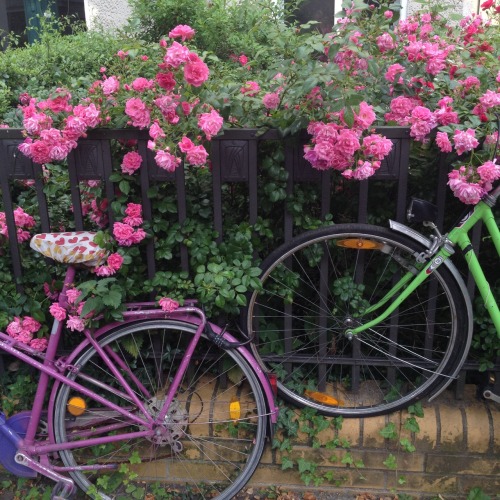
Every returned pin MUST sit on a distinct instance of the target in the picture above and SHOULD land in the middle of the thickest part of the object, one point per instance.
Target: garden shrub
(440, 81)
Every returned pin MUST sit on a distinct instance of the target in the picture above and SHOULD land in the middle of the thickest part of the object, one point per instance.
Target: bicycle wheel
(321, 284)
(216, 425)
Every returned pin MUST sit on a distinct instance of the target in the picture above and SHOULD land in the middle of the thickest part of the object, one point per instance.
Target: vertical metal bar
(180, 182)
(11, 229)
(147, 210)
(217, 187)
(290, 158)
(107, 165)
(252, 181)
(363, 202)
(74, 186)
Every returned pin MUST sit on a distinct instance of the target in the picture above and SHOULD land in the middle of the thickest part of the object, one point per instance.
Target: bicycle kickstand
(65, 488)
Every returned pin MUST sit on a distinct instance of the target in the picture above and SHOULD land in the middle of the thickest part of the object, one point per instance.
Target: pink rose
(134, 214)
(131, 162)
(443, 142)
(57, 311)
(168, 305)
(210, 123)
(185, 144)
(176, 55)
(271, 100)
(75, 323)
(142, 84)
(115, 261)
(110, 85)
(385, 42)
(251, 89)
(25, 337)
(89, 114)
(365, 117)
(138, 235)
(182, 31)
(40, 152)
(156, 131)
(14, 328)
(123, 233)
(196, 72)
(72, 295)
(197, 155)
(31, 325)
(138, 112)
(347, 142)
(489, 171)
(465, 140)
(166, 80)
(39, 344)
(167, 161)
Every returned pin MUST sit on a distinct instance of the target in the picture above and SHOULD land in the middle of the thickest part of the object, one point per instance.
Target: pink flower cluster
(353, 151)
(470, 185)
(127, 233)
(23, 330)
(113, 264)
(71, 312)
(53, 126)
(23, 222)
(47, 143)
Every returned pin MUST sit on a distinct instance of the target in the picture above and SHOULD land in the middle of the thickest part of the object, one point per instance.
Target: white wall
(106, 14)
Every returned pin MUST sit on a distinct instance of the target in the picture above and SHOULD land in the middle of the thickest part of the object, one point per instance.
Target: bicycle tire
(212, 448)
(317, 286)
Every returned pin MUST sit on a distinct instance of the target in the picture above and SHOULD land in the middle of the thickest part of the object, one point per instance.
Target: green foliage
(54, 60)
(18, 386)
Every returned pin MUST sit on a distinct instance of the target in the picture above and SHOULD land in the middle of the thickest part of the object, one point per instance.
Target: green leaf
(112, 299)
(389, 431)
(92, 305)
(390, 462)
(124, 187)
(286, 463)
(477, 494)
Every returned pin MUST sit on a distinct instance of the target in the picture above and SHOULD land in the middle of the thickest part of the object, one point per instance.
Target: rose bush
(440, 79)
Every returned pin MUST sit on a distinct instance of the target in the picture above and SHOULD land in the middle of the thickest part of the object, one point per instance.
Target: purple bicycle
(164, 403)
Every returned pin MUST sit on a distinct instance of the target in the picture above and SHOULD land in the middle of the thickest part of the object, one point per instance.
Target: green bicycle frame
(459, 235)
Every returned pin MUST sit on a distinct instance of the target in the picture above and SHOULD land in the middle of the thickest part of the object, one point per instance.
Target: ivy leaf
(390, 462)
(477, 494)
(411, 424)
(286, 463)
(389, 431)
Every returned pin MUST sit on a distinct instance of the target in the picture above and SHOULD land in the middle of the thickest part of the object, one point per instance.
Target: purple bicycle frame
(53, 368)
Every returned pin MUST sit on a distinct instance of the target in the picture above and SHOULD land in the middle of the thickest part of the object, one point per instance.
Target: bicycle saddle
(75, 247)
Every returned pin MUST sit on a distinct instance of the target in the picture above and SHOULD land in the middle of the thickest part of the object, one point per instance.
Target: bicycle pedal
(488, 394)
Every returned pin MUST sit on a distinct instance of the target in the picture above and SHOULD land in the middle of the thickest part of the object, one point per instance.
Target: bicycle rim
(318, 286)
(216, 424)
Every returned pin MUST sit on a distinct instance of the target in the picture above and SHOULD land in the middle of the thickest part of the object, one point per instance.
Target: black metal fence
(235, 160)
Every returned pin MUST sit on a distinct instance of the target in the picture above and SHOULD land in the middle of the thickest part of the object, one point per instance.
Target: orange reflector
(320, 397)
(235, 408)
(360, 243)
(76, 406)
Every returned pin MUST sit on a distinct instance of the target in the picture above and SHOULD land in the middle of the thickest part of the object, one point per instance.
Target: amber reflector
(360, 243)
(235, 409)
(76, 406)
(321, 397)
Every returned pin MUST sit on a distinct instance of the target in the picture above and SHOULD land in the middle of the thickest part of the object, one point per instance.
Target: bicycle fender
(415, 235)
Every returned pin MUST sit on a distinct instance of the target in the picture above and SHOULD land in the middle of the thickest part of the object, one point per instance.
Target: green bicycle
(360, 320)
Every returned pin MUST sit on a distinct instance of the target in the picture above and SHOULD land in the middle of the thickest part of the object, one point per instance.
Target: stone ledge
(456, 449)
